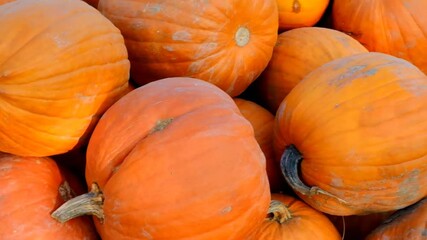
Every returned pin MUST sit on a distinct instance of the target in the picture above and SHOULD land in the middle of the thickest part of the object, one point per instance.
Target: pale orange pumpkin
(297, 53)
(225, 42)
(351, 135)
(395, 27)
(174, 159)
(62, 64)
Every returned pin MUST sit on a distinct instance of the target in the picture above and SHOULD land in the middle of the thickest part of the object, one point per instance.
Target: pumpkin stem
(289, 164)
(278, 212)
(87, 204)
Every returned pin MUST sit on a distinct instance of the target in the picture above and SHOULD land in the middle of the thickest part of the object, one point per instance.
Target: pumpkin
(262, 122)
(300, 13)
(30, 189)
(93, 3)
(297, 53)
(62, 64)
(394, 27)
(291, 218)
(354, 129)
(407, 223)
(227, 43)
(164, 166)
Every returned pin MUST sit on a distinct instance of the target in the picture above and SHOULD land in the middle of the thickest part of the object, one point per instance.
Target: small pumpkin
(300, 13)
(352, 129)
(227, 43)
(291, 218)
(159, 160)
(30, 189)
(407, 223)
(263, 122)
(297, 53)
(395, 27)
(62, 64)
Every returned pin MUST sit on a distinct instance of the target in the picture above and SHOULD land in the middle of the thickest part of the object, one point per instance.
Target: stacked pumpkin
(210, 120)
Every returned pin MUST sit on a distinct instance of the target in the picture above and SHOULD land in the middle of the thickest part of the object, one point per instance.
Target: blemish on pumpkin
(146, 234)
(416, 87)
(337, 182)
(242, 36)
(152, 8)
(116, 168)
(352, 73)
(168, 48)
(5, 168)
(182, 36)
(161, 124)
(409, 187)
(60, 41)
(65, 191)
(226, 210)
(296, 6)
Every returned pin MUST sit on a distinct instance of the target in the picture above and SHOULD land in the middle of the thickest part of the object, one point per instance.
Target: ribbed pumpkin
(297, 53)
(409, 223)
(263, 122)
(291, 218)
(30, 189)
(354, 128)
(175, 159)
(61, 65)
(396, 27)
(225, 42)
(300, 13)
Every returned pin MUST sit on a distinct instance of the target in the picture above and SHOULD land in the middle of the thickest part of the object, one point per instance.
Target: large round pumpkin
(408, 223)
(225, 42)
(61, 65)
(175, 159)
(356, 125)
(300, 13)
(291, 218)
(30, 189)
(263, 122)
(396, 27)
(297, 53)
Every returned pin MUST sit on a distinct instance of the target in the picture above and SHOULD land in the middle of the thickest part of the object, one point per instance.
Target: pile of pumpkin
(240, 120)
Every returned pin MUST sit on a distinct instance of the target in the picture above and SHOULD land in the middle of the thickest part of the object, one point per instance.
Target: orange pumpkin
(30, 189)
(290, 218)
(62, 64)
(262, 121)
(352, 128)
(395, 27)
(227, 43)
(300, 13)
(296, 54)
(159, 160)
(408, 223)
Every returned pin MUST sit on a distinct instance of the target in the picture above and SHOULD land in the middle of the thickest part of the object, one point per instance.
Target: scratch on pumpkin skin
(296, 6)
(182, 36)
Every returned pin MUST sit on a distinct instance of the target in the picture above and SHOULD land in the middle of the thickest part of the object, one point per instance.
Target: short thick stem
(87, 204)
(279, 212)
(289, 165)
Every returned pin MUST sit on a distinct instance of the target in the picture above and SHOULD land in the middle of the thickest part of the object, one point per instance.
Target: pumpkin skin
(164, 161)
(300, 13)
(297, 53)
(354, 126)
(74, 58)
(301, 223)
(408, 223)
(263, 122)
(29, 193)
(227, 43)
(394, 27)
